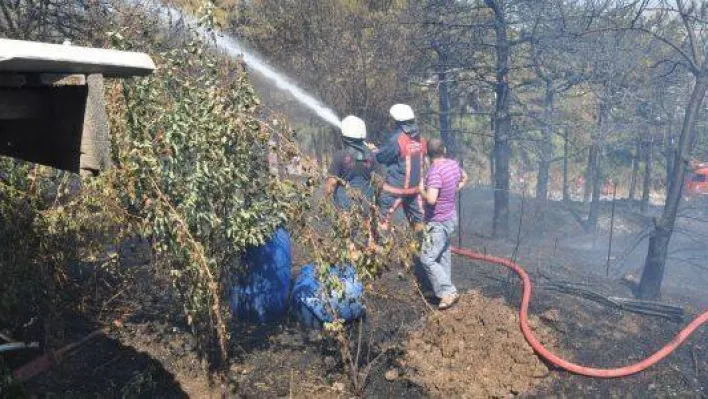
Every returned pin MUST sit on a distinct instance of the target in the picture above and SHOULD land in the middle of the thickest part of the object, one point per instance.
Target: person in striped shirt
(445, 177)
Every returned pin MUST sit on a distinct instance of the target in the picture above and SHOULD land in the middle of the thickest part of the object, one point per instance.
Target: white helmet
(353, 127)
(402, 112)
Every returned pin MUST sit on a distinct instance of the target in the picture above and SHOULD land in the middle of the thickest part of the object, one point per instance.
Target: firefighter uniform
(402, 156)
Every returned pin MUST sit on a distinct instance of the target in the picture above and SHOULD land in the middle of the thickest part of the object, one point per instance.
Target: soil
(591, 334)
(473, 350)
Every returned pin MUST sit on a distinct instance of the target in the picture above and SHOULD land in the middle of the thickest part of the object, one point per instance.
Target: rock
(551, 316)
(178, 350)
(391, 375)
(338, 386)
(631, 278)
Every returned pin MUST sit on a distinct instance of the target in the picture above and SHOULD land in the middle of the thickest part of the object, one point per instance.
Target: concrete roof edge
(20, 56)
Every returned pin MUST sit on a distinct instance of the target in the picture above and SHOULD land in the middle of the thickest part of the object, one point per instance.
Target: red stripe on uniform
(400, 191)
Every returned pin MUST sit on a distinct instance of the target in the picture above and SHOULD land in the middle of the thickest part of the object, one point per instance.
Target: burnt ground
(151, 353)
(555, 247)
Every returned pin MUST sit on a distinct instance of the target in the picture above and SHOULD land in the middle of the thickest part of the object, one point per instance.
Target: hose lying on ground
(564, 364)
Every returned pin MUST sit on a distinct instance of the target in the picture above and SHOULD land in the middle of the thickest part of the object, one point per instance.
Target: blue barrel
(313, 306)
(261, 293)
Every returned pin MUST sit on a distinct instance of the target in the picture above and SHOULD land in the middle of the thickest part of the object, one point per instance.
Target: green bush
(192, 159)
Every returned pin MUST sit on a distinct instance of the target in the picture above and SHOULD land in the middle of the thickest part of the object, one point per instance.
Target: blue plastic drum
(261, 293)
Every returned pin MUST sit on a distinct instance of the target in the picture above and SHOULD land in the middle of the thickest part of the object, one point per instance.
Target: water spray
(235, 49)
(231, 46)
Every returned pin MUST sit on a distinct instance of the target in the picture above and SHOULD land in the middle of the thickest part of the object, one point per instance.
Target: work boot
(448, 300)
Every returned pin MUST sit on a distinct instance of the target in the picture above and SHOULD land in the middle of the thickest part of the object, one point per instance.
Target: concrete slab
(34, 57)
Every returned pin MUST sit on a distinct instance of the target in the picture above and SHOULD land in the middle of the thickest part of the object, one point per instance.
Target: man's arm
(463, 180)
(335, 170)
(430, 195)
(431, 192)
(330, 185)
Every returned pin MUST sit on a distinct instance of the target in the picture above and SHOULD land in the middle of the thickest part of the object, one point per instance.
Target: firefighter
(352, 166)
(402, 156)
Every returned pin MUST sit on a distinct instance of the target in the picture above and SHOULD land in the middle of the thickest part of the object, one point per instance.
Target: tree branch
(693, 66)
(689, 32)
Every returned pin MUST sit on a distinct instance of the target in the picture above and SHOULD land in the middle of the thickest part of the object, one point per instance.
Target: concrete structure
(52, 109)
(34, 57)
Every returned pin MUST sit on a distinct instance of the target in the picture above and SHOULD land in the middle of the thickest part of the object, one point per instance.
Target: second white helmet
(353, 127)
(402, 113)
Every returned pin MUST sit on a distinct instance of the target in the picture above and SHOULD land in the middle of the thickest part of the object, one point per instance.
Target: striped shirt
(445, 175)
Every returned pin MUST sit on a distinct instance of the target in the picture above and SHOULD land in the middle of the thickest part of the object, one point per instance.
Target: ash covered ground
(474, 350)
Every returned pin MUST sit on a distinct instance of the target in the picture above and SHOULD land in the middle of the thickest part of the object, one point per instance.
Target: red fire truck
(696, 183)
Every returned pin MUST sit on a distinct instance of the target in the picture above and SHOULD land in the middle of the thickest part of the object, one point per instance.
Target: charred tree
(594, 213)
(635, 171)
(597, 176)
(490, 157)
(444, 103)
(546, 153)
(589, 174)
(670, 157)
(502, 122)
(691, 50)
(566, 194)
(653, 274)
(556, 73)
(648, 171)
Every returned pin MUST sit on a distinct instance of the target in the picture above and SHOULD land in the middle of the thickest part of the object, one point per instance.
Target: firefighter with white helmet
(402, 156)
(352, 166)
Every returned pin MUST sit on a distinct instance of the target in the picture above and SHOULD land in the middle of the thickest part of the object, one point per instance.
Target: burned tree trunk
(594, 213)
(502, 124)
(490, 157)
(566, 194)
(597, 177)
(635, 171)
(670, 157)
(444, 101)
(589, 174)
(653, 274)
(648, 171)
(544, 163)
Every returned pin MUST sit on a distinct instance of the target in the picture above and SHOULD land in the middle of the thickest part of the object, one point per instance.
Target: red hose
(564, 364)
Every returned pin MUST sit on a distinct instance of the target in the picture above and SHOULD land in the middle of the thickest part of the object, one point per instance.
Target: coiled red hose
(564, 364)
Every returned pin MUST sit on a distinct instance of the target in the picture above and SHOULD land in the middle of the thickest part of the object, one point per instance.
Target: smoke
(233, 48)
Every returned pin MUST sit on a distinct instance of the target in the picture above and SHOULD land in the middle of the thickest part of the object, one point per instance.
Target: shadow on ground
(106, 368)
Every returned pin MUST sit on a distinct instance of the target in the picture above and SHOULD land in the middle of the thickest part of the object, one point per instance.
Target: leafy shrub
(192, 157)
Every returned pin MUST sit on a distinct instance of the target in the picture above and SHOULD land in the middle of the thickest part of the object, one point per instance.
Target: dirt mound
(474, 350)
